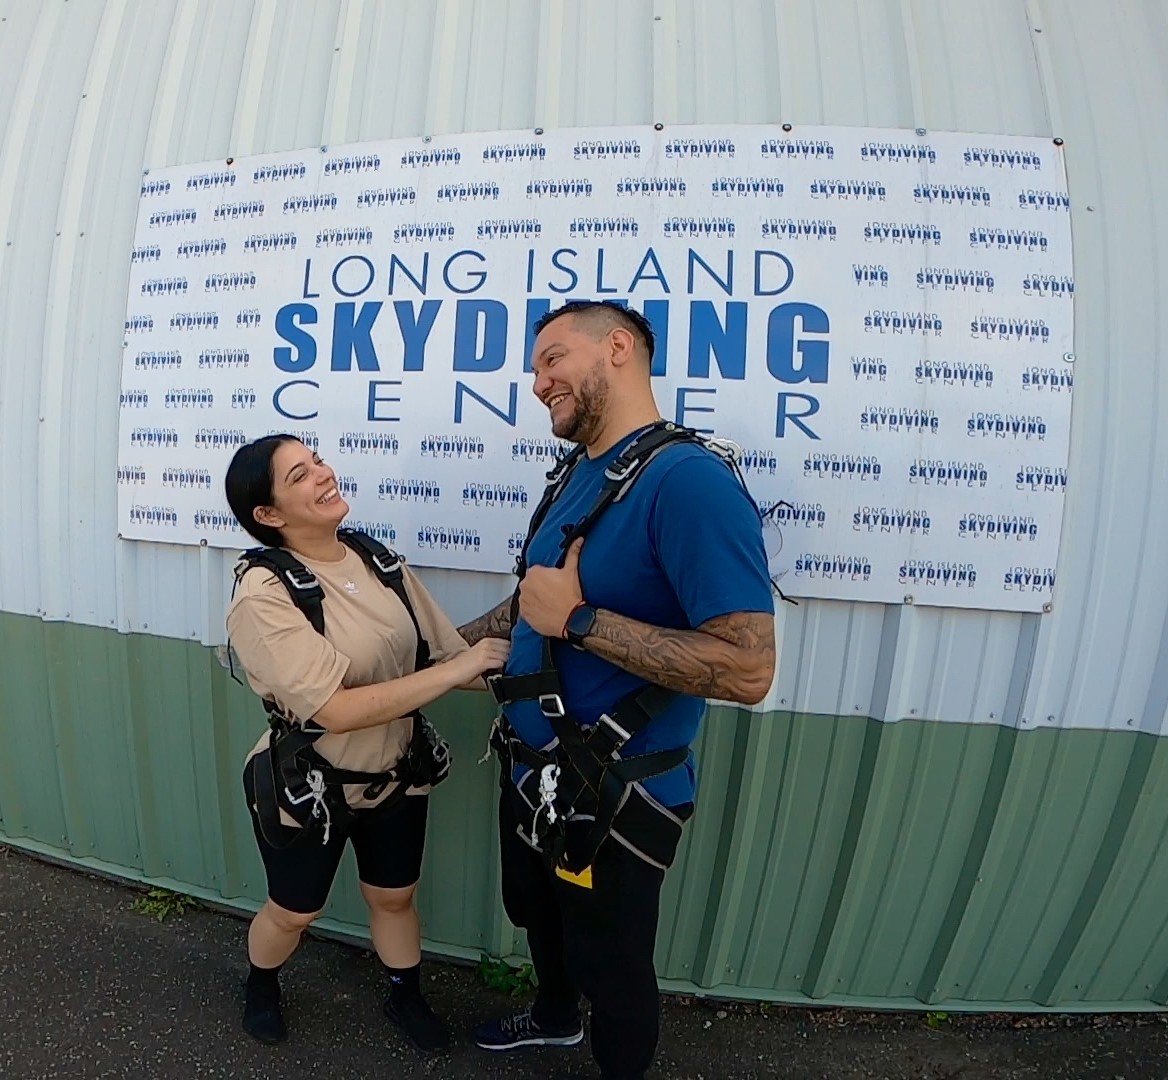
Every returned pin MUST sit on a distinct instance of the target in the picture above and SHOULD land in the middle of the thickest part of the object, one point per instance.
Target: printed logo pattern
(881, 319)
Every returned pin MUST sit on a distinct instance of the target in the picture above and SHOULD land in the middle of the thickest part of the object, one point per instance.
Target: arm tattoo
(730, 658)
(495, 623)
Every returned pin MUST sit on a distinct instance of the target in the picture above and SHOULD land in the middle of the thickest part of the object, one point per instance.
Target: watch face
(581, 622)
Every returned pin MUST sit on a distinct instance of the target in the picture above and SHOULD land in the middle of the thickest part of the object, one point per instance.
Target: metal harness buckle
(552, 706)
(389, 568)
(301, 580)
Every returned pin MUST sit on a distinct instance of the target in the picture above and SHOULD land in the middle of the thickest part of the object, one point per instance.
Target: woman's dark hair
(249, 485)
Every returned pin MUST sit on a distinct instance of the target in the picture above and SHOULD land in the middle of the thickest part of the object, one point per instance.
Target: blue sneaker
(519, 1029)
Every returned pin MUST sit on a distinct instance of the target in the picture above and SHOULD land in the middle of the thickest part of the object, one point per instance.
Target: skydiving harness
(291, 775)
(581, 775)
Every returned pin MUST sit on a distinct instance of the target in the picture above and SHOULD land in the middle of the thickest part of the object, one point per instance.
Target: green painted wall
(833, 859)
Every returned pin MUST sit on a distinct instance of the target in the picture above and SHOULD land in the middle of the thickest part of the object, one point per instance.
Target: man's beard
(584, 423)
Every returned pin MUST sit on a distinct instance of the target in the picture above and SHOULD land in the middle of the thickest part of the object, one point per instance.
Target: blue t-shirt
(682, 547)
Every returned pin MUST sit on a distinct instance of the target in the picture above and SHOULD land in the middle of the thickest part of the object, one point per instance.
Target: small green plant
(160, 904)
(936, 1019)
(499, 975)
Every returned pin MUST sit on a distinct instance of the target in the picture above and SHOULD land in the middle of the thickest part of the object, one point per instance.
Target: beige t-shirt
(368, 638)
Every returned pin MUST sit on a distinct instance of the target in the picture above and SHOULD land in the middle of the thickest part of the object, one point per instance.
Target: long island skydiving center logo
(866, 337)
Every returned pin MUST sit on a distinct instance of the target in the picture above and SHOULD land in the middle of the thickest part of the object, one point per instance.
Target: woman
(357, 682)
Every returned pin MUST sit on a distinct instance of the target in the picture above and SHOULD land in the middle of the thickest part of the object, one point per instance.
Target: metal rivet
(920, 131)
(425, 138)
(1058, 142)
(539, 131)
(203, 542)
(231, 161)
(908, 599)
(1048, 607)
(1069, 357)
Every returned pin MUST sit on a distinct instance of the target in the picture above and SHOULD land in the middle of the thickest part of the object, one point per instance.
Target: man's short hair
(603, 315)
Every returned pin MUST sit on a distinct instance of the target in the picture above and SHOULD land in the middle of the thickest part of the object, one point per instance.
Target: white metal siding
(93, 91)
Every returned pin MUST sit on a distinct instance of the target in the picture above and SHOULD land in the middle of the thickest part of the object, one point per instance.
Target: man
(628, 619)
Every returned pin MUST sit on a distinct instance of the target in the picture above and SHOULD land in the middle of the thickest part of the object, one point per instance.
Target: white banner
(882, 319)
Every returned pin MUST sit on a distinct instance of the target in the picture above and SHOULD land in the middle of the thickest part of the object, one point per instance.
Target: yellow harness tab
(583, 879)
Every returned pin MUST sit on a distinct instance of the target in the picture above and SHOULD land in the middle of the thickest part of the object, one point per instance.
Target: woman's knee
(388, 901)
(290, 922)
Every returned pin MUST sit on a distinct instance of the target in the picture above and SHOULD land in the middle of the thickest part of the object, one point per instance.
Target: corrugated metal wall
(1028, 853)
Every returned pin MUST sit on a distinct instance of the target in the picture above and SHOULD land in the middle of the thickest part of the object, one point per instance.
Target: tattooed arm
(495, 623)
(730, 658)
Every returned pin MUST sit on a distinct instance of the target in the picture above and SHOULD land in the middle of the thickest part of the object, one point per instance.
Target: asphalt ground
(90, 987)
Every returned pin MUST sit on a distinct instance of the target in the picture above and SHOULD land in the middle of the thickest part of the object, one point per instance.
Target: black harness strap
(300, 582)
(387, 568)
(557, 479)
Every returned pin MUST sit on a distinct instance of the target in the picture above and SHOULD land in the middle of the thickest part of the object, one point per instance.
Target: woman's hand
(485, 656)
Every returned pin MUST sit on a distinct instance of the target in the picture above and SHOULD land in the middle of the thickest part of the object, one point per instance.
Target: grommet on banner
(539, 131)
(1069, 357)
(921, 131)
(203, 542)
(908, 599)
(1047, 608)
(1058, 141)
(324, 149)
(231, 161)
(786, 127)
(425, 138)
(658, 127)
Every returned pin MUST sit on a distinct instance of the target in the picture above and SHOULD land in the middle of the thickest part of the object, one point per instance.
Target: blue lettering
(355, 336)
(728, 343)
(415, 331)
(683, 406)
(785, 414)
(640, 275)
(376, 399)
(575, 278)
(781, 344)
(509, 416)
(288, 320)
(466, 335)
(370, 275)
(278, 404)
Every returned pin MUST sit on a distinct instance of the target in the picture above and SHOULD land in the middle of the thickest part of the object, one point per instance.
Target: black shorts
(388, 848)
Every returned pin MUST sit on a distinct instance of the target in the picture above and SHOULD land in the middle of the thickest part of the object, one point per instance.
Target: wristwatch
(579, 624)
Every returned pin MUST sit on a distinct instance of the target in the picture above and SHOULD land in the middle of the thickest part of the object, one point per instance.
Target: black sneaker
(423, 1027)
(262, 1018)
(519, 1029)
